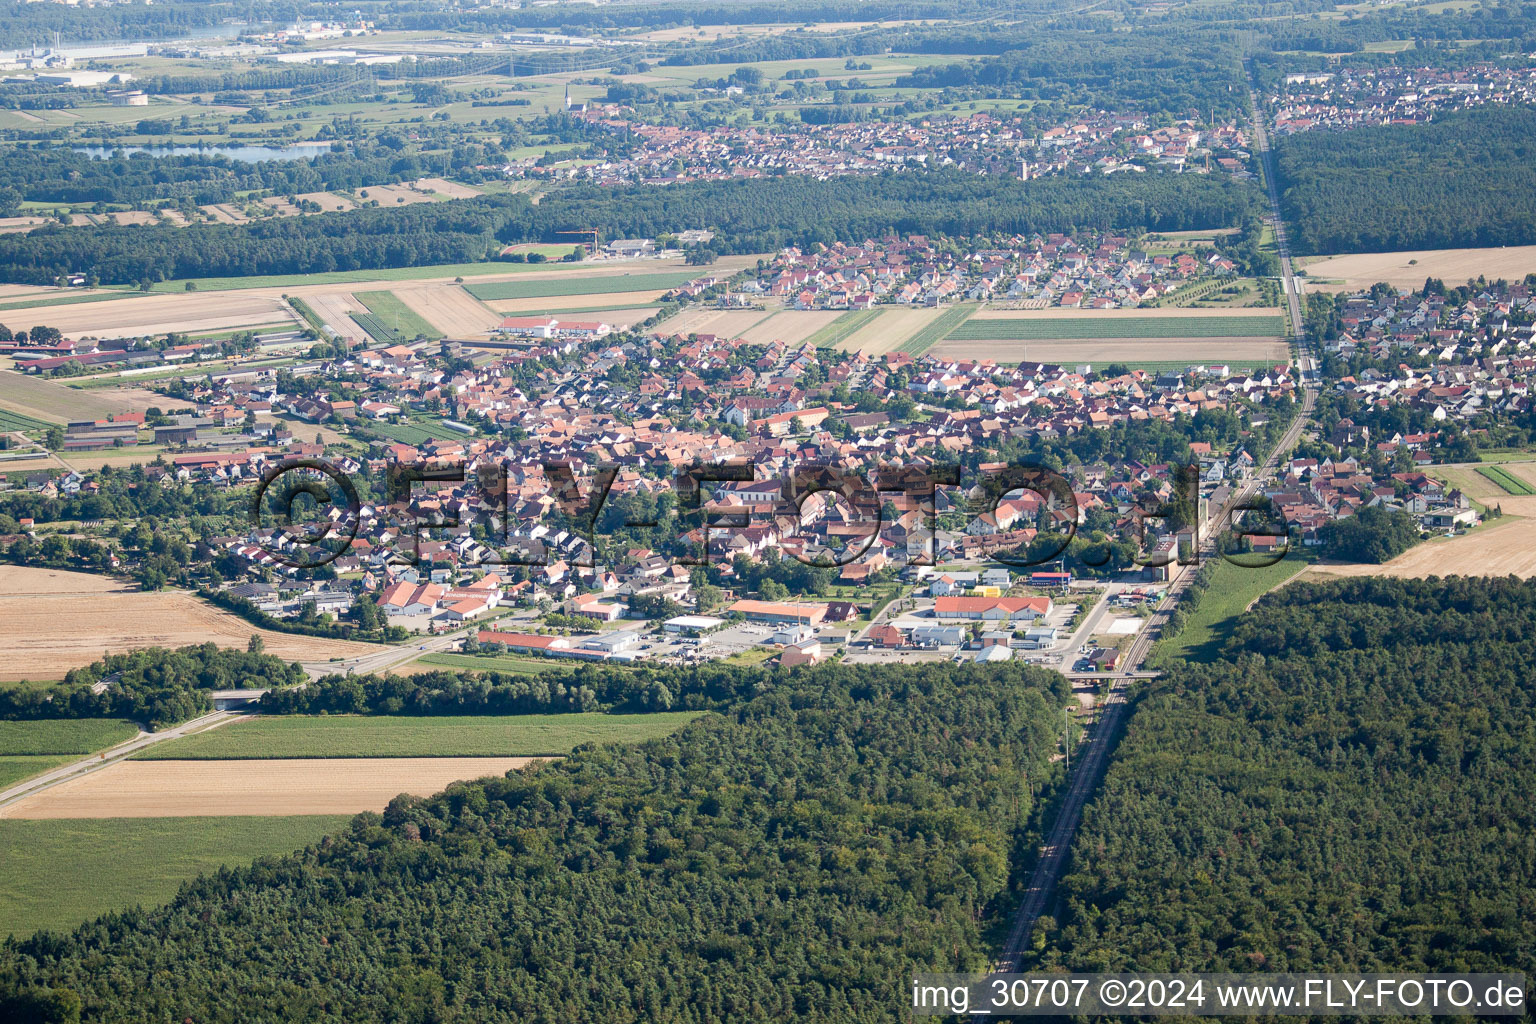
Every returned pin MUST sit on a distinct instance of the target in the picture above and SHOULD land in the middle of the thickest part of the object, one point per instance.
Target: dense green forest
(790, 859)
(1467, 180)
(154, 687)
(1345, 789)
(749, 216)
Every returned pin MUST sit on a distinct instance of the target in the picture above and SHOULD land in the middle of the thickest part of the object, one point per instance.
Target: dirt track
(155, 789)
(52, 621)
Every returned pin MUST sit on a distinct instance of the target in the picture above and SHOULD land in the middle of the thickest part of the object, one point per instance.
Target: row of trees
(752, 216)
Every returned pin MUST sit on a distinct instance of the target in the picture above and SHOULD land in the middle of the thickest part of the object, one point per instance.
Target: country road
(1093, 753)
(102, 759)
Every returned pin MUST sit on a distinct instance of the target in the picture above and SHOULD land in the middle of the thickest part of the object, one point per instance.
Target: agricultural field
(377, 736)
(1358, 271)
(936, 330)
(1506, 481)
(844, 327)
(1502, 547)
(1144, 325)
(52, 621)
(576, 305)
(63, 735)
(488, 663)
(728, 323)
(11, 421)
(889, 331)
(400, 321)
(161, 789)
(411, 433)
(790, 327)
(20, 767)
(62, 873)
(449, 309)
(496, 291)
(34, 398)
(135, 316)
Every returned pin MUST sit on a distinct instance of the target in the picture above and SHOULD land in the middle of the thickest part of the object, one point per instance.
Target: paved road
(98, 761)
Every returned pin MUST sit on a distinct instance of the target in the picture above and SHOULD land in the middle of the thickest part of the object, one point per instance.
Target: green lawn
(1233, 589)
(1151, 326)
(413, 736)
(491, 291)
(950, 321)
(400, 318)
(64, 735)
(15, 769)
(59, 874)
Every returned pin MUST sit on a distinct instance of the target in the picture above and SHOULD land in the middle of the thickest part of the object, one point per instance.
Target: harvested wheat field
(451, 189)
(52, 621)
(393, 195)
(175, 789)
(1071, 352)
(791, 327)
(1355, 271)
(335, 309)
(727, 323)
(143, 315)
(328, 202)
(56, 403)
(598, 300)
(450, 309)
(888, 331)
(1502, 548)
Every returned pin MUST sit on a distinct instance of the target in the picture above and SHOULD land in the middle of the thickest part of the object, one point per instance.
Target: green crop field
(378, 328)
(16, 769)
(59, 874)
(948, 322)
(1033, 329)
(410, 433)
(1504, 479)
(305, 736)
(491, 291)
(405, 322)
(843, 327)
(16, 421)
(64, 735)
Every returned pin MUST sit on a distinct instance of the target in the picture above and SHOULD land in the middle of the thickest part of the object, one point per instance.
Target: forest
(791, 858)
(155, 687)
(754, 216)
(1346, 788)
(1465, 181)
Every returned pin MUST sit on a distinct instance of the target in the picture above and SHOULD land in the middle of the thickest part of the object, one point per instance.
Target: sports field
(61, 873)
(491, 291)
(335, 736)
